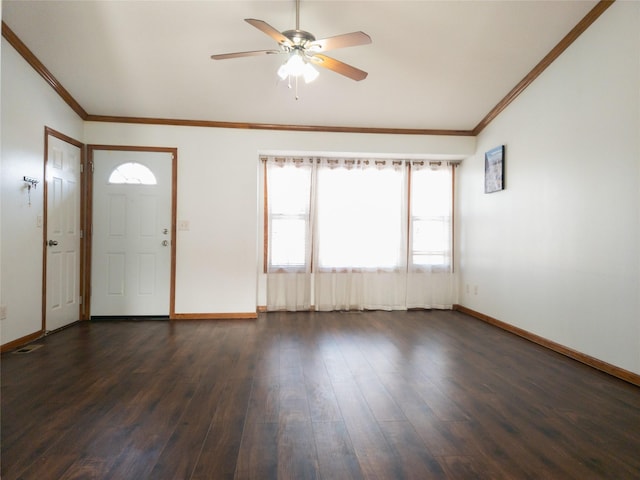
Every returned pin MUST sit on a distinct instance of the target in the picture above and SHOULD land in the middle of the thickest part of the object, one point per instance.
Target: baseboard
(19, 342)
(262, 309)
(214, 316)
(618, 372)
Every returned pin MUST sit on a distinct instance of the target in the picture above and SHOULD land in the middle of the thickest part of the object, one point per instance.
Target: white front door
(62, 262)
(131, 252)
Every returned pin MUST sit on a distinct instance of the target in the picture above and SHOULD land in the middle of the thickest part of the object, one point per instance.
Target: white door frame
(81, 284)
(89, 213)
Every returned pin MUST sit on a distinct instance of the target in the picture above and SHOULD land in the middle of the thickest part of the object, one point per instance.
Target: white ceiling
(432, 64)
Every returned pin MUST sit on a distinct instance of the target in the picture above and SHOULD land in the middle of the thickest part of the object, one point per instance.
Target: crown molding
(273, 126)
(44, 72)
(585, 23)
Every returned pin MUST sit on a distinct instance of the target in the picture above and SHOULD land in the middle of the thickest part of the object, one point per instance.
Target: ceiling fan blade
(352, 39)
(269, 30)
(252, 53)
(338, 67)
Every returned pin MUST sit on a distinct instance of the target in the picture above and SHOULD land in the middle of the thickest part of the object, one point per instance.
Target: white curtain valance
(356, 161)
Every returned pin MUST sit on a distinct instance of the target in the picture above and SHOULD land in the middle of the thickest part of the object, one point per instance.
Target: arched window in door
(133, 174)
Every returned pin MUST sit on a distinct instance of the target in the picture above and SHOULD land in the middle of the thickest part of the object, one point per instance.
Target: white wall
(28, 104)
(217, 267)
(558, 252)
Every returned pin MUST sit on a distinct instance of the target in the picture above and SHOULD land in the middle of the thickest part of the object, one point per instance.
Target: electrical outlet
(39, 221)
(3, 312)
(475, 289)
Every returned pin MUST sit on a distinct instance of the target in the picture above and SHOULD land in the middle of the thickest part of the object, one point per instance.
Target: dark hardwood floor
(373, 395)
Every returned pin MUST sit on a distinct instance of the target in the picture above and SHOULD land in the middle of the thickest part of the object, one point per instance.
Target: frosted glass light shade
(310, 73)
(297, 66)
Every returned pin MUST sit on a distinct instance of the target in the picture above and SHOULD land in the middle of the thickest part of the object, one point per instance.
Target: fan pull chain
(295, 87)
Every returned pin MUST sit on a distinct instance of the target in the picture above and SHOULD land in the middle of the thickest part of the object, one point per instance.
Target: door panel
(115, 274)
(147, 266)
(131, 256)
(62, 288)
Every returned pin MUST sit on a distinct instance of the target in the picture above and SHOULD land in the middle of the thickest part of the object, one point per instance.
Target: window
(364, 215)
(360, 216)
(132, 174)
(430, 220)
(288, 202)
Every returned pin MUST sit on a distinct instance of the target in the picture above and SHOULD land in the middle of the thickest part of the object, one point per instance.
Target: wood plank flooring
(373, 395)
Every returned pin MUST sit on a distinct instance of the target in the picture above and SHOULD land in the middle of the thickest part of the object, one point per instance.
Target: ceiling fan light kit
(303, 50)
(297, 66)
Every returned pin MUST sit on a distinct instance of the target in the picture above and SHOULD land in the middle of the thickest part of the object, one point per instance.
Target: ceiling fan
(304, 51)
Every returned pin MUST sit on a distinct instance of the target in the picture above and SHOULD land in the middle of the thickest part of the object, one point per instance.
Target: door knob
(52, 243)
(165, 243)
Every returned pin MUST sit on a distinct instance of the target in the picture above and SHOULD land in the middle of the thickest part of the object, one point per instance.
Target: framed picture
(494, 170)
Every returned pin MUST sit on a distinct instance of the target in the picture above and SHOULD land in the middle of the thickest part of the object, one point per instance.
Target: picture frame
(494, 170)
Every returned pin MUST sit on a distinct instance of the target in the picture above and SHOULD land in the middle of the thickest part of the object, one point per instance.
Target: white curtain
(360, 234)
(288, 192)
(355, 234)
(288, 291)
(431, 280)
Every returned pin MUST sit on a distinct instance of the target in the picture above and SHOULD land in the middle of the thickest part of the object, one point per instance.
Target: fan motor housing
(299, 37)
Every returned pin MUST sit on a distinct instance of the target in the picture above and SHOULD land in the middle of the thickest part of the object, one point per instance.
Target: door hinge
(80, 300)
(81, 233)
(82, 168)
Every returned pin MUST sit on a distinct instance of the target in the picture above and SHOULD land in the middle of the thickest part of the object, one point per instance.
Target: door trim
(48, 131)
(89, 214)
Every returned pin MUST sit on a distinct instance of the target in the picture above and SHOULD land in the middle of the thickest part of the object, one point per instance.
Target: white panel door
(63, 234)
(131, 252)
